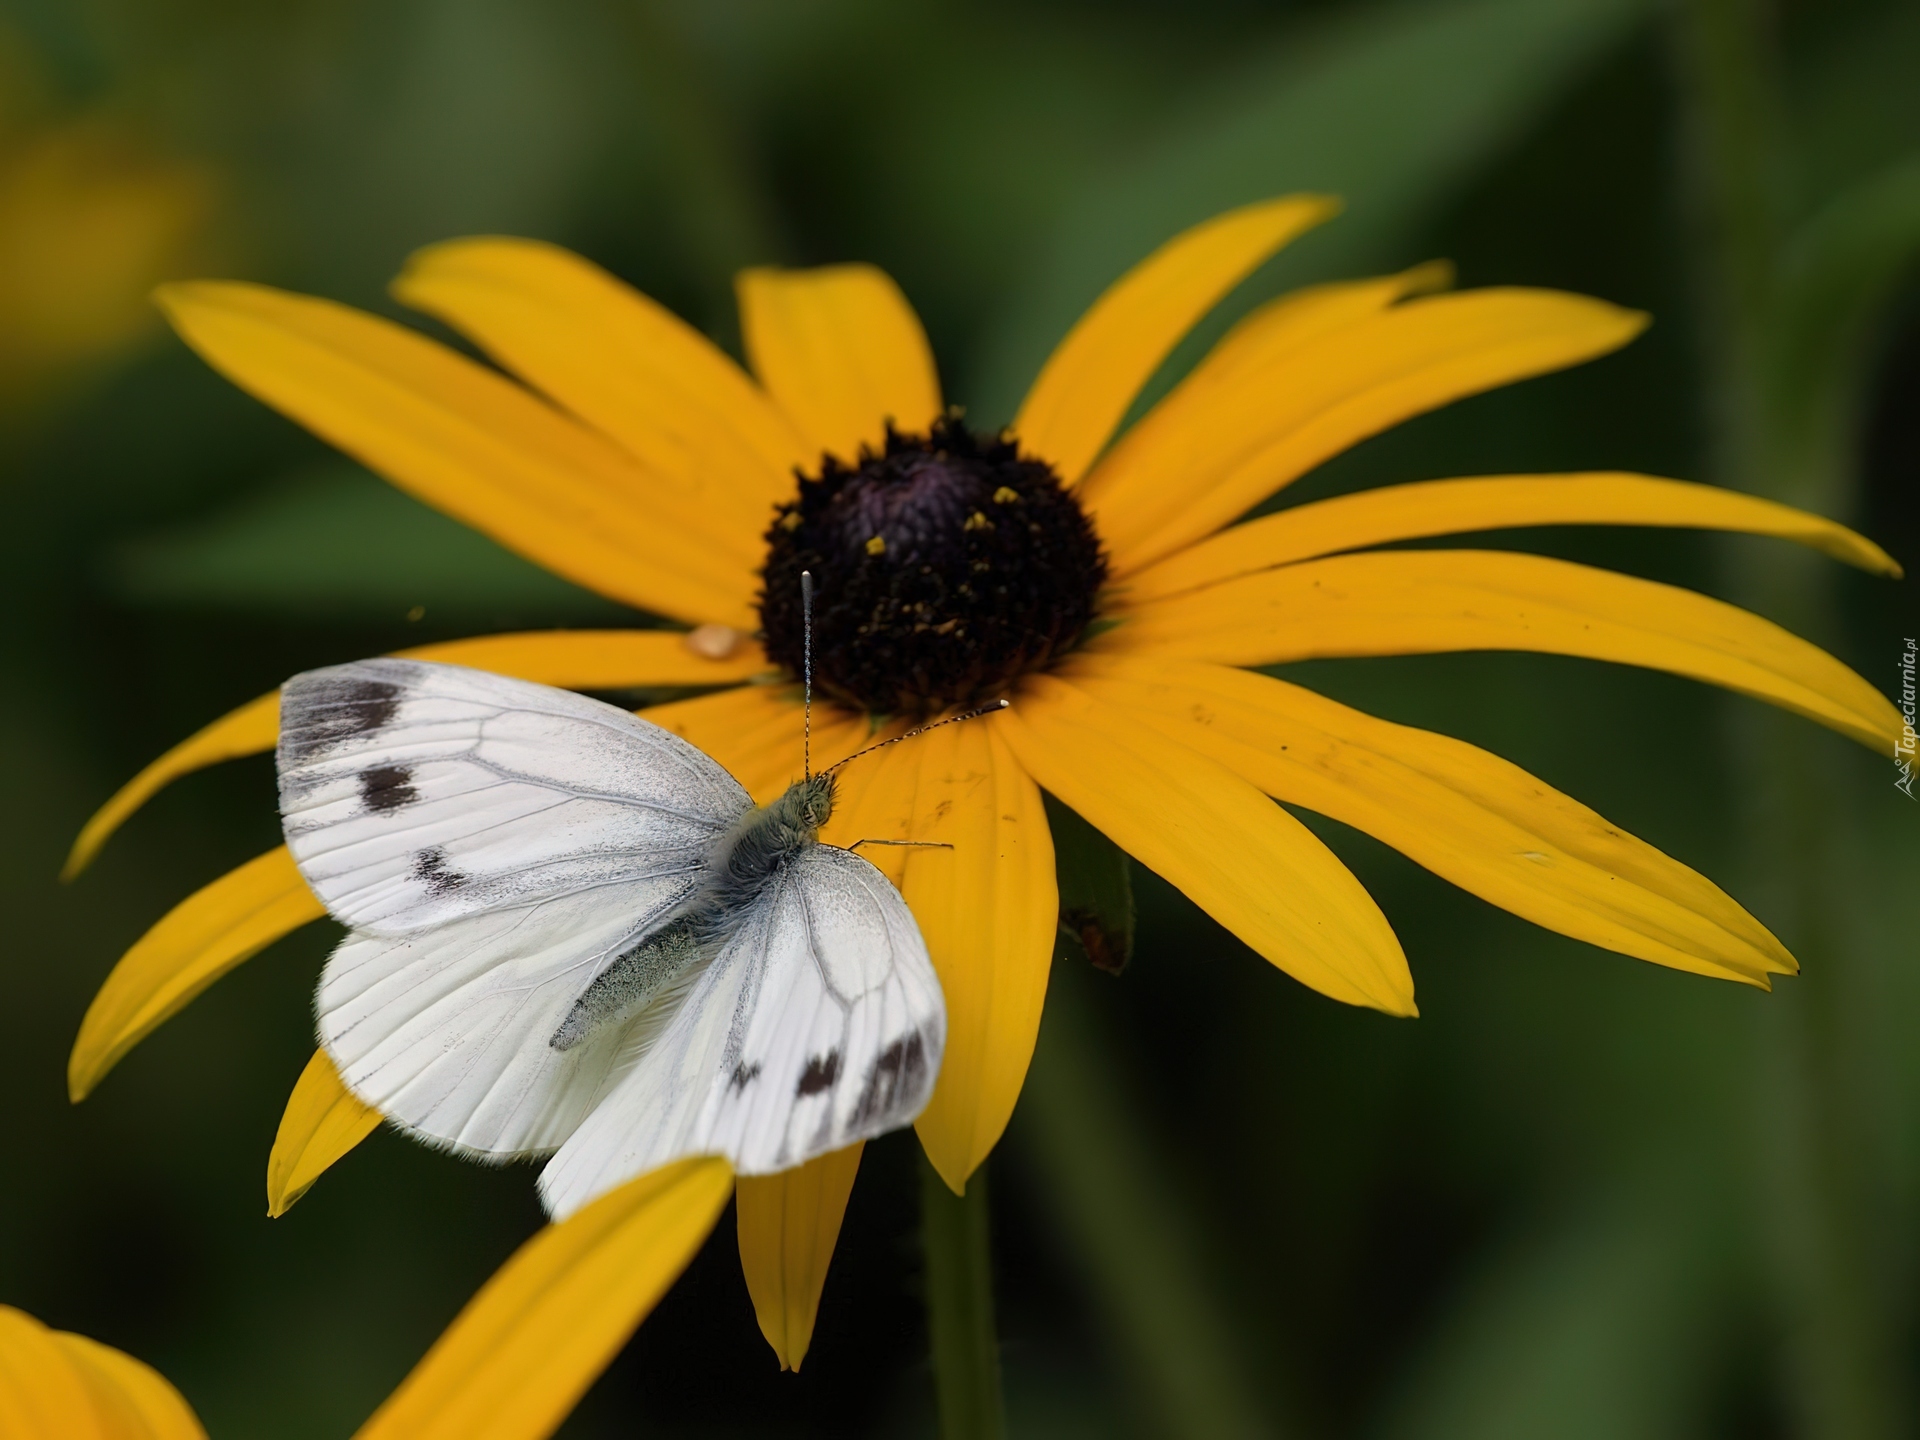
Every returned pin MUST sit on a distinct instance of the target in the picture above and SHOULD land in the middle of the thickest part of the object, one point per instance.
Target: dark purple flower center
(944, 566)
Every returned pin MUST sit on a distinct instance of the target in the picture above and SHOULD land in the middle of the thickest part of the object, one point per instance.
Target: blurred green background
(1580, 1197)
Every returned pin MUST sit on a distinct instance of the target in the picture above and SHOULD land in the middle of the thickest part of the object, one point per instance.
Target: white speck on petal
(713, 642)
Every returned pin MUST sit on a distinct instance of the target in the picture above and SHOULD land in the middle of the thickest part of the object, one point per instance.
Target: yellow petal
(321, 1123)
(134, 1400)
(1284, 327)
(55, 1385)
(600, 659)
(841, 352)
(1454, 507)
(1235, 853)
(525, 1349)
(622, 363)
(1235, 431)
(571, 659)
(43, 1396)
(1468, 816)
(1421, 602)
(875, 801)
(467, 441)
(989, 910)
(198, 941)
(1092, 376)
(755, 732)
(788, 1224)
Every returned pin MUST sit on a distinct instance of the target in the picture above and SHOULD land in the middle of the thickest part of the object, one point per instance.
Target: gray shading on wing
(413, 793)
(445, 1030)
(820, 1022)
(493, 845)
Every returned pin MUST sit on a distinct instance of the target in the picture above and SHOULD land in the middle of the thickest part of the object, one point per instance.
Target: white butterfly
(573, 931)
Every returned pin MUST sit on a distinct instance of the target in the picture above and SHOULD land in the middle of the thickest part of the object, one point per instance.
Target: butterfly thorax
(761, 843)
(757, 847)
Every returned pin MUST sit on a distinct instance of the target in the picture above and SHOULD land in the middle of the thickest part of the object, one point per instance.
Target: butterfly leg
(927, 844)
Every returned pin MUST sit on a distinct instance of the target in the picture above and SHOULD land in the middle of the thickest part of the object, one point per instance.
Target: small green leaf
(1096, 891)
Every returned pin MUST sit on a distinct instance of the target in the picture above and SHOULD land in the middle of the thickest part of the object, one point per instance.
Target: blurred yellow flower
(92, 217)
(89, 223)
(1101, 582)
(55, 1385)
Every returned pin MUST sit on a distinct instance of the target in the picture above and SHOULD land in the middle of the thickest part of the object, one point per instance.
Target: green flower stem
(1778, 428)
(966, 1349)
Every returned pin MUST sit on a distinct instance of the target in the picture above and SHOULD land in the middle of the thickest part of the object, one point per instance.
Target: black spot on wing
(430, 869)
(744, 1075)
(387, 788)
(328, 711)
(821, 1072)
(895, 1080)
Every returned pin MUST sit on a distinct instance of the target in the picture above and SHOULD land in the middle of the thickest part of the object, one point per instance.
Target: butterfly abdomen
(623, 989)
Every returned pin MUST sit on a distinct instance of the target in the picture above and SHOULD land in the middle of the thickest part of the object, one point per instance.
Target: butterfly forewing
(415, 793)
(820, 1023)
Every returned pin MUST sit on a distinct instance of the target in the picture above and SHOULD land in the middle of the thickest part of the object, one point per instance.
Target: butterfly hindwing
(415, 793)
(820, 1022)
(445, 1031)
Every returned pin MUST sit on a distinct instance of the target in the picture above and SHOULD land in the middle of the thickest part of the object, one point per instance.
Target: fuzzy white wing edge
(821, 1022)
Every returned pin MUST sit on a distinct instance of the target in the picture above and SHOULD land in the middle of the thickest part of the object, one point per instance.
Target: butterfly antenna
(950, 720)
(806, 666)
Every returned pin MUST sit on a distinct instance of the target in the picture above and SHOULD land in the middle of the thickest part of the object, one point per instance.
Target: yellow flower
(635, 458)
(55, 1385)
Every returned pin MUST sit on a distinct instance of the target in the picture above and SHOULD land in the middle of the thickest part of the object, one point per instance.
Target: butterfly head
(812, 800)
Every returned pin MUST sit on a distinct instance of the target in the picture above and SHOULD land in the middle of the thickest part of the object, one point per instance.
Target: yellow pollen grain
(977, 521)
(1006, 495)
(877, 545)
(712, 641)
(790, 521)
